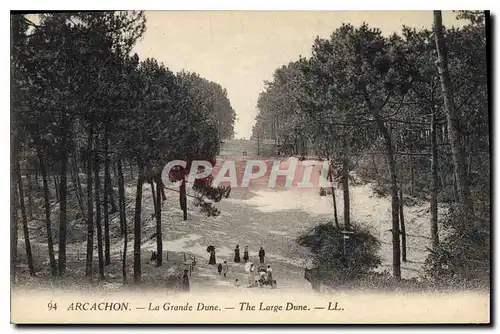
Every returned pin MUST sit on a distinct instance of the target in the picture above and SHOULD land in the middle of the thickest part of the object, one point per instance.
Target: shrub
(327, 246)
(463, 257)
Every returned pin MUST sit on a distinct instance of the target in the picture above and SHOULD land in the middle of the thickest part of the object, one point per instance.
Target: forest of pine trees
(89, 116)
(408, 111)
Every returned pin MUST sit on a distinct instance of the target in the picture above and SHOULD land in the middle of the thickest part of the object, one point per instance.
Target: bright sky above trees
(240, 50)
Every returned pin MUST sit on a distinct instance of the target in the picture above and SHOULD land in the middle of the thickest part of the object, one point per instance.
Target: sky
(241, 49)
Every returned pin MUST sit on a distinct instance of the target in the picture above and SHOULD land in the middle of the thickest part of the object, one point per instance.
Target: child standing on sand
(225, 268)
(219, 268)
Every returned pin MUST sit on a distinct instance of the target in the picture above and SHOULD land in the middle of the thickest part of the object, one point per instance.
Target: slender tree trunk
(396, 244)
(107, 187)
(412, 173)
(30, 197)
(402, 222)
(76, 171)
(345, 184)
(334, 199)
(63, 191)
(123, 219)
(434, 185)
(183, 199)
(159, 239)
(98, 215)
(121, 193)
(29, 254)
(89, 268)
(111, 193)
(14, 222)
(56, 187)
(153, 194)
(452, 120)
(48, 222)
(137, 227)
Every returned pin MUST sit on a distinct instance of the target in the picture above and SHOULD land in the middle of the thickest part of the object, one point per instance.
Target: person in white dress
(251, 275)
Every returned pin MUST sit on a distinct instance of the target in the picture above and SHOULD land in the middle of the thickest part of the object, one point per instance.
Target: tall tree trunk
(14, 222)
(63, 191)
(330, 175)
(183, 199)
(137, 227)
(29, 195)
(159, 240)
(27, 243)
(56, 187)
(402, 222)
(153, 196)
(123, 218)
(452, 120)
(111, 193)
(48, 222)
(107, 188)
(412, 173)
(98, 214)
(121, 193)
(396, 244)
(89, 268)
(434, 185)
(345, 184)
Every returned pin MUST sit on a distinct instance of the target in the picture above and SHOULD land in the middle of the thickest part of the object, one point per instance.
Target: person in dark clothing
(185, 281)
(245, 254)
(212, 257)
(237, 254)
(262, 254)
(219, 268)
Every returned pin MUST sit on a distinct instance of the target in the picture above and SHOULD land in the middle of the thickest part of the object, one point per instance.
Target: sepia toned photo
(257, 167)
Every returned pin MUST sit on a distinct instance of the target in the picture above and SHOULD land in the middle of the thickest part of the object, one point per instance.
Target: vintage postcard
(299, 167)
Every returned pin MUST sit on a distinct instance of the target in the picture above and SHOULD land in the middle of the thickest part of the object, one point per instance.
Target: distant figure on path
(237, 254)
(245, 254)
(185, 281)
(236, 283)
(262, 255)
(225, 268)
(219, 268)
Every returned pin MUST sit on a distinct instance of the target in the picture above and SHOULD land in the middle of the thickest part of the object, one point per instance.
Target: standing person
(251, 276)
(262, 254)
(185, 281)
(245, 254)
(237, 254)
(219, 268)
(212, 257)
(269, 272)
(225, 268)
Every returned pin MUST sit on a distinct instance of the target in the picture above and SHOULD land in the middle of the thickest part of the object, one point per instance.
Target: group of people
(265, 276)
(262, 254)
